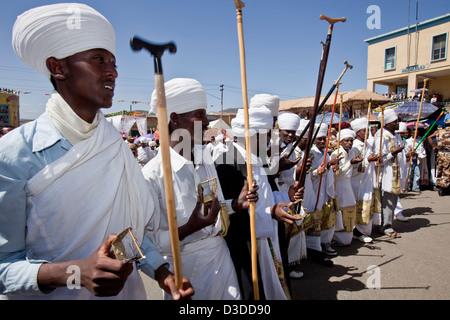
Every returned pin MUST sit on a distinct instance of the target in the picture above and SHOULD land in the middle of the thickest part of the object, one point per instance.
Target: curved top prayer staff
(332, 20)
(156, 50)
(239, 4)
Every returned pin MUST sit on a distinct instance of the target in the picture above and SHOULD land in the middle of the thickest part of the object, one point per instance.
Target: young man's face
(392, 126)
(287, 136)
(320, 143)
(188, 121)
(90, 78)
(347, 143)
(361, 135)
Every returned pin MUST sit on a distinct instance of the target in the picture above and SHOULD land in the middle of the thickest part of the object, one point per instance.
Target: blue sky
(282, 43)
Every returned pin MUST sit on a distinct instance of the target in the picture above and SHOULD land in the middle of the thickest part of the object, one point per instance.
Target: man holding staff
(389, 159)
(269, 210)
(361, 180)
(204, 254)
(48, 240)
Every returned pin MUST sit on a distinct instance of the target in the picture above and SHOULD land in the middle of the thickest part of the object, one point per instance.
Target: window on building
(439, 47)
(389, 59)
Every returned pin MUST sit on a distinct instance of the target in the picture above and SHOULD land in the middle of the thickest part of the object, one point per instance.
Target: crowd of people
(69, 184)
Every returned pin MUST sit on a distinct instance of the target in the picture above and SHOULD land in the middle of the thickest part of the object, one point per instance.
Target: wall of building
(412, 66)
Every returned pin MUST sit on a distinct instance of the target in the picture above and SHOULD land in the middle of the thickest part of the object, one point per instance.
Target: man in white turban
(343, 187)
(322, 175)
(205, 256)
(390, 155)
(361, 180)
(288, 124)
(49, 240)
(269, 210)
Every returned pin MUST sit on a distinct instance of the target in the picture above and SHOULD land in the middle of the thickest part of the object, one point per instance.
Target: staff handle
(254, 253)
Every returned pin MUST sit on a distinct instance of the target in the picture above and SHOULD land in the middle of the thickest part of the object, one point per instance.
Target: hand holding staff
(157, 51)
(254, 255)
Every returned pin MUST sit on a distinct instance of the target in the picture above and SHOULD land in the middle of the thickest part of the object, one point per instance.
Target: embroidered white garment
(266, 228)
(74, 203)
(205, 257)
(71, 126)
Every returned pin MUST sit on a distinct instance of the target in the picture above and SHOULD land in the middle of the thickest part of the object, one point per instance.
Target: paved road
(414, 267)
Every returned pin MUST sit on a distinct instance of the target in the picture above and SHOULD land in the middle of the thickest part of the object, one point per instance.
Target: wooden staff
(254, 254)
(324, 101)
(323, 65)
(365, 143)
(415, 133)
(326, 146)
(339, 138)
(381, 147)
(157, 51)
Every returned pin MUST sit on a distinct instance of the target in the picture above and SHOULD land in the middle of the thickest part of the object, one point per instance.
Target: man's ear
(56, 68)
(174, 118)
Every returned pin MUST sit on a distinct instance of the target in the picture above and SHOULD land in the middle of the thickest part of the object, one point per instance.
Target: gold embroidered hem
(376, 201)
(311, 223)
(363, 212)
(280, 271)
(329, 214)
(348, 218)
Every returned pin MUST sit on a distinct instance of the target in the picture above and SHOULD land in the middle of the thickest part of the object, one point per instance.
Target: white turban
(323, 131)
(288, 121)
(260, 119)
(182, 95)
(389, 116)
(402, 127)
(359, 124)
(302, 126)
(152, 143)
(266, 100)
(60, 31)
(220, 137)
(347, 133)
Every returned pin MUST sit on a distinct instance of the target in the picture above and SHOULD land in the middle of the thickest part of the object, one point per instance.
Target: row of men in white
(72, 149)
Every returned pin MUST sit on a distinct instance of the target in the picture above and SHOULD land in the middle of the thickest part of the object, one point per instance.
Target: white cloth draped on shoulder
(63, 224)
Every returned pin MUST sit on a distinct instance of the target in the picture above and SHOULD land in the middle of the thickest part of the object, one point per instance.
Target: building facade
(404, 58)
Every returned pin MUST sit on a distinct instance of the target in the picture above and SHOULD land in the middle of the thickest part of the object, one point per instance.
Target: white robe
(63, 224)
(344, 191)
(266, 228)
(205, 258)
(362, 183)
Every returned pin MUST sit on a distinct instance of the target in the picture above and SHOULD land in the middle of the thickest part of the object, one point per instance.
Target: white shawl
(74, 203)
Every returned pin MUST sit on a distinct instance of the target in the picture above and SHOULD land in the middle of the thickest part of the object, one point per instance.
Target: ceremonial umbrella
(412, 125)
(418, 90)
(327, 118)
(413, 107)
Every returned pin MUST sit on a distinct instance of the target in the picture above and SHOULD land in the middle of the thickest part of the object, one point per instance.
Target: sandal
(393, 234)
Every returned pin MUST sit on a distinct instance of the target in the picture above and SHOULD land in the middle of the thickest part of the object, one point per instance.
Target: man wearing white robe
(269, 210)
(68, 182)
(322, 175)
(343, 187)
(205, 257)
(362, 183)
(390, 156)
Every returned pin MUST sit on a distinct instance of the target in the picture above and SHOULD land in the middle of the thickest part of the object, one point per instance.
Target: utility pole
(221, 102)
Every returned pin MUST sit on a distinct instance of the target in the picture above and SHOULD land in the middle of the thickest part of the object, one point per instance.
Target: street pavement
(413, 267)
